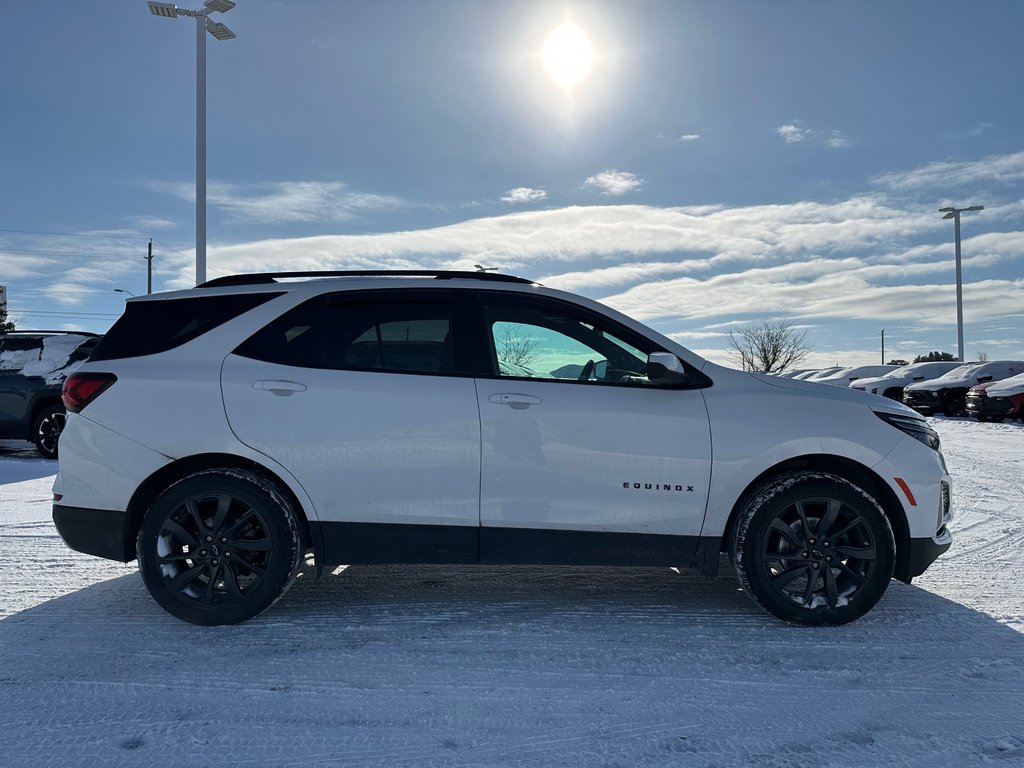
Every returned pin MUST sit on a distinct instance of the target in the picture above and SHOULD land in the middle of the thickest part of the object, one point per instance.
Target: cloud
(149, 223)
(835, 292)
(979, 129)
(837, 140)
(615, 245)
(613, 183)
(287, 201)
(687, 137)
(524, 195)
(945, 174)
(793, 133)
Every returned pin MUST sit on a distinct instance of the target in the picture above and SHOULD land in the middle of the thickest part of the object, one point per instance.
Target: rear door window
(411, 333)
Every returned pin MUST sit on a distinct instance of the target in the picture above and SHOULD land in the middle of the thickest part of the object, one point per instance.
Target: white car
(845, 376)
(891, 384)
(819, 374)
(220, 433)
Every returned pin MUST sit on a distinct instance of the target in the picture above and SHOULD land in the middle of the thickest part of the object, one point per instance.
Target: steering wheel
(588, 371)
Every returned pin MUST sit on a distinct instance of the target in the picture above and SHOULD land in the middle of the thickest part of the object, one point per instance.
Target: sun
(568, 55)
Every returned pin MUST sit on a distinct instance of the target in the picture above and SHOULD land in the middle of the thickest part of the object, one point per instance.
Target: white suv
(220, 433)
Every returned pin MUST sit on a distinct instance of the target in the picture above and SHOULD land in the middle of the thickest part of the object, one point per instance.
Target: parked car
(997, 400)
(819, 374)
(795, 373)
(845, 376)
(220, 433)
(948, 393)
(33, 366)
(891, 384)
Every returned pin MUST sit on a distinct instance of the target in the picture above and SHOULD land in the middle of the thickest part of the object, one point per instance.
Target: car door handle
(514, 400)
(282, 388)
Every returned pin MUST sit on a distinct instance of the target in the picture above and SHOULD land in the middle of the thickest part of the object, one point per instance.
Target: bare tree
(771, 346)
(516, 348)
(983, 357)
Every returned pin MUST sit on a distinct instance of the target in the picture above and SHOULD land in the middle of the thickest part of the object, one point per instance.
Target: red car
(997, 400)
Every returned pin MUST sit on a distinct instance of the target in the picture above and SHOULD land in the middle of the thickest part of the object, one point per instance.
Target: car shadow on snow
(19, 460)
(443, 665)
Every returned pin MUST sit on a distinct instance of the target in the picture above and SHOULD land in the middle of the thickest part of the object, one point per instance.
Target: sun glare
(568, 55)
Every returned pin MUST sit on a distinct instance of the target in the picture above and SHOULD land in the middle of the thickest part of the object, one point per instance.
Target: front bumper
(99, 532)
(923, 401)
(988, 406)
(923, 552)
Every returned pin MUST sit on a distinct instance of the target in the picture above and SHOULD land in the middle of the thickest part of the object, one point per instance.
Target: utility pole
(883, 346)
(149, 267)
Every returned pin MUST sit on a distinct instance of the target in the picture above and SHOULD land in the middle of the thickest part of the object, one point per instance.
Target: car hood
(874, 381)
(1007, 387)
(830, 392)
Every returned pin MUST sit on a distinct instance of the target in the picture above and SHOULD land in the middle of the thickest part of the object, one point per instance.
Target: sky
(718, 164)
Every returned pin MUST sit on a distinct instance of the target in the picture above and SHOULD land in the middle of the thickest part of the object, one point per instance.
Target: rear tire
(219, 547)
(813, 548)
(46, 430)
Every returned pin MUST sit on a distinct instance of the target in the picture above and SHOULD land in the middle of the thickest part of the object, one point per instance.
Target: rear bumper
(99, 532)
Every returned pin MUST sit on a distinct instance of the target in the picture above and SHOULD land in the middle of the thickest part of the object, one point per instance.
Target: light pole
(122, 290)
(220, 32)
(954, 213)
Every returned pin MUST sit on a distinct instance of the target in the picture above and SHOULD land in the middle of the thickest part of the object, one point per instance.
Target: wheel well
(166, 476)
(847, 469)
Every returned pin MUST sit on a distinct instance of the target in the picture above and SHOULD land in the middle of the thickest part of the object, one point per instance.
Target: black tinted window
(409, 336)
(148, 327)
(400, 335)
(295, 338)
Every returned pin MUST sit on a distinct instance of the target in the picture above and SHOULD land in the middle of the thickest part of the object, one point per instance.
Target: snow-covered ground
(497, 666)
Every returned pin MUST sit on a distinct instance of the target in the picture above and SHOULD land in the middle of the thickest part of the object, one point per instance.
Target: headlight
(910, 425)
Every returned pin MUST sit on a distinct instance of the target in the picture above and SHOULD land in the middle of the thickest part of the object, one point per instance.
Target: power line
(73, 234)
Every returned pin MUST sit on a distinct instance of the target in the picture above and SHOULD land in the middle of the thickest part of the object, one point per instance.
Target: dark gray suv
(33, 366)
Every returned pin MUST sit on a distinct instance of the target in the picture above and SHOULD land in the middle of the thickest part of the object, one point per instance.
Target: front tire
(813, 548)
(46, 430)
(955, 405)
(219, 547)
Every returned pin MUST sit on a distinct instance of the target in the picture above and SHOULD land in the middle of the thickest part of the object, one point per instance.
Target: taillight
(80, 389)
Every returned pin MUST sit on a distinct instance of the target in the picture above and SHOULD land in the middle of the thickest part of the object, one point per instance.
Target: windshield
(963, 372)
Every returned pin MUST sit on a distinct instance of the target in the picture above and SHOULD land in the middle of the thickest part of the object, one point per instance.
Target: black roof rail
(30, 331)
(258, 278)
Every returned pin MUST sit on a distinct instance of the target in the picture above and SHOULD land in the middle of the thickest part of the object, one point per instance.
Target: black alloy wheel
(47, 428)
(219, 547)
(813, 548)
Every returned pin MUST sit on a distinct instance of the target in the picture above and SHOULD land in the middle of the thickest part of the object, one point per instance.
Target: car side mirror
(666, 368)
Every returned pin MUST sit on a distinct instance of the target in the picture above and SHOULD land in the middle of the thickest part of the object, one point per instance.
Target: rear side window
(393, 335)
(148, 327)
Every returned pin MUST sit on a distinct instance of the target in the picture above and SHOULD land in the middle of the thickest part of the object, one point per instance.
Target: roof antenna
(485, 269)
